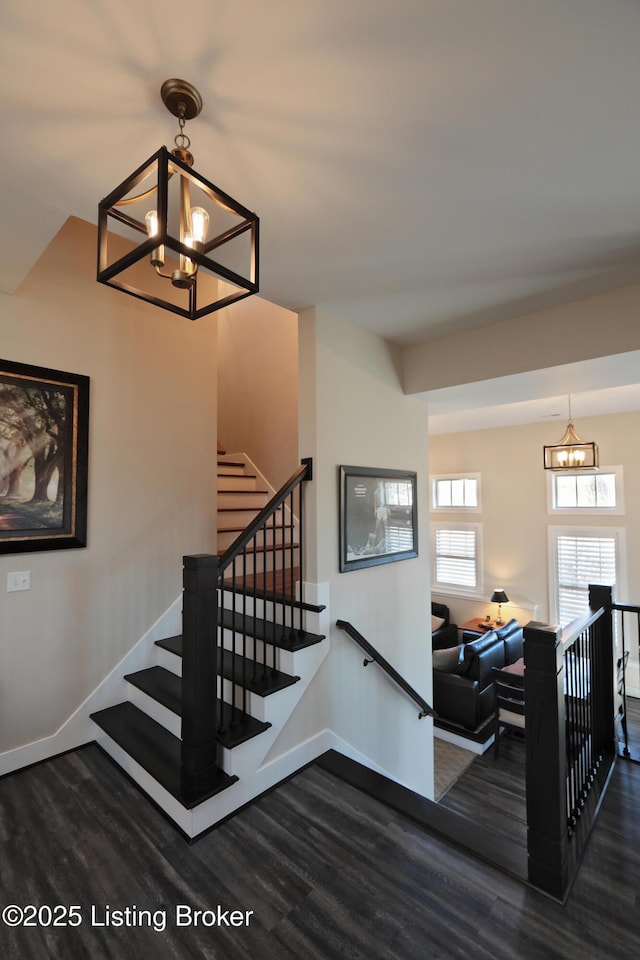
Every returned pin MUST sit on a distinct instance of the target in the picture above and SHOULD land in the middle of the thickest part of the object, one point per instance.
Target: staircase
(242, 493)
(268, 650)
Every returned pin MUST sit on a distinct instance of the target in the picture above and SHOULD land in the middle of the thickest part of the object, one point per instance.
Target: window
(456, 492)
(580, 557)
(586, 492)
(457, 553)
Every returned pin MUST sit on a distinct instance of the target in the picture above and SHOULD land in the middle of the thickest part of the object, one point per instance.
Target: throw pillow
(436, 623)
(446, 660)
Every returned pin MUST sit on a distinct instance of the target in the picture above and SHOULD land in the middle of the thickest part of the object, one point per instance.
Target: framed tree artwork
(378, 516)
(44, 440)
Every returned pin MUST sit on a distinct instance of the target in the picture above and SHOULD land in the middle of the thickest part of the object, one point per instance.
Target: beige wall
(353, 412)
(151, 482)
(594, 327)
(258, 385)
(514, 515)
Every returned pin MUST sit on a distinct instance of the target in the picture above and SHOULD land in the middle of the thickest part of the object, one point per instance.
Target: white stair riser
(232, 467)
(164, 658)
(277, 534)
(255, 650)
(261, 560)
(242, 516)
(166, 718)
(267, 610)
(254, 705)
(228, 482)
(236, 498)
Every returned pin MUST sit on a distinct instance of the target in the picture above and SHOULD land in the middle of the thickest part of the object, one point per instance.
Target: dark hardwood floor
(328, 872)
(491, 792)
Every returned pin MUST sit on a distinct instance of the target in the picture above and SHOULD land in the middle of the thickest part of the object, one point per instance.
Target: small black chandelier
(570, 452)
(153, 229)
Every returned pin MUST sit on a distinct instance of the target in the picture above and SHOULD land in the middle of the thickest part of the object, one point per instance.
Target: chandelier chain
(181, 140)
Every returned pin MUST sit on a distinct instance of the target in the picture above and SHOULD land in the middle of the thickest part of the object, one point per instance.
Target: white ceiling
(424, 166)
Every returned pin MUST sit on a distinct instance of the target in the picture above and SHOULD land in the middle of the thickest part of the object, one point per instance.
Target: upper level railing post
(546, 760)
(602, 669)
(199, 673)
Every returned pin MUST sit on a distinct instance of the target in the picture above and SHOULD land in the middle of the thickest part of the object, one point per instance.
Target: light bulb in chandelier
(199, 225)
(153, 229)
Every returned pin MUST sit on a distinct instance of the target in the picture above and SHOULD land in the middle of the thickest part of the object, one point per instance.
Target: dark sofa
(444, 636)
(463, 688)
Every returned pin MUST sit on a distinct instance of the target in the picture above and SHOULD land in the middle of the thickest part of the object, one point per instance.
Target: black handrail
(425, 709)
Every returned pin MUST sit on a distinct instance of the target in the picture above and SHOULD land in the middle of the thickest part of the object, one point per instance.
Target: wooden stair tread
(153, 747)
(238, 473)
(286, 640)
(234, 725)
(276, 635)
(241, 510)
(240, 493)
(238, 669)
(230, 463)
(241, 529)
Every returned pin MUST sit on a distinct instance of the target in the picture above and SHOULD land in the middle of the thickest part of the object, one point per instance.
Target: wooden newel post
(199, 676)
(546, 763)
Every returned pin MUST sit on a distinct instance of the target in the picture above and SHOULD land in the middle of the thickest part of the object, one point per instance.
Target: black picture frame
(378, 516)
(44, 451)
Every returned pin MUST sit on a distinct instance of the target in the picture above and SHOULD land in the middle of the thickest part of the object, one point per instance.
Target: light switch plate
(19, 580)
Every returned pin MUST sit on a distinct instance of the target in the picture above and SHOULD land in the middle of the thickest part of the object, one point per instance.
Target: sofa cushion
(440, 610)
(445, 637)
(436, 623)
(511, 636)
(446, 660)
(481, 656)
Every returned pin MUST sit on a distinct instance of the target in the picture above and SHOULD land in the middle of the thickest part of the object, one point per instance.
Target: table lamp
(499, 597)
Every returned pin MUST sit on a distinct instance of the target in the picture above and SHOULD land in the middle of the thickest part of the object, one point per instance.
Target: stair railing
(628, 631)
(266, 563)
(376, 657)
(569, 738)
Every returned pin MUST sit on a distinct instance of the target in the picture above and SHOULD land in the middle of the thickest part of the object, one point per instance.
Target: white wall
(353, 412)
(258, 385)
(514, 515)
(151, 482)
(599, 326)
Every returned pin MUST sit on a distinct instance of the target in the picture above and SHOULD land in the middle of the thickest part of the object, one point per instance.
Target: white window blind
(456, 557)
(581, 560)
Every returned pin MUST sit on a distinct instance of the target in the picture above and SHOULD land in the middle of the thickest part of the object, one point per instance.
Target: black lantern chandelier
(169, 236)
(570, 452)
